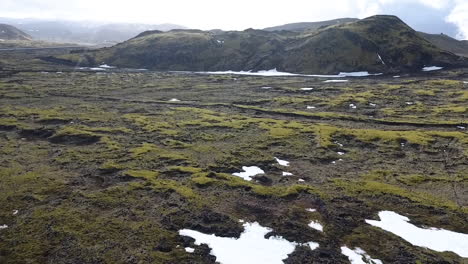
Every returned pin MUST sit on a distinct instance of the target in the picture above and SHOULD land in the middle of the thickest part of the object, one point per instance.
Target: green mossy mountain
(8, 32)
(375, 44)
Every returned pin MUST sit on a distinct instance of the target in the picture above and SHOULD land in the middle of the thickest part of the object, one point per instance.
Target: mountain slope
(447, 43)
(376, 44)
(93, 33)
(8, 32)
(303, 26)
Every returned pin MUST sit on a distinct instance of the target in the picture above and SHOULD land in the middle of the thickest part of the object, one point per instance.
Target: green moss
(375, 188)
(145, 174)
(191, 170)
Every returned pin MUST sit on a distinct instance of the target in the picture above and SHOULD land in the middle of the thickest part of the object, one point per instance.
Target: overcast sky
(434, 16)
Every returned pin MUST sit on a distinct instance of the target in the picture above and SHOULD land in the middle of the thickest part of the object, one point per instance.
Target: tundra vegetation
(104, 168)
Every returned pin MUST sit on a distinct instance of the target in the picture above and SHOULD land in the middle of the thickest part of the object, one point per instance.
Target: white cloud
(208, 14)
(459, 16)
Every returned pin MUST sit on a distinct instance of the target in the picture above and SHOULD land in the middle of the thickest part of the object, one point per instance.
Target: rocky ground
(107, 167)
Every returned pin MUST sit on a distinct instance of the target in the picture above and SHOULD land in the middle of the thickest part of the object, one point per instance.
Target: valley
(112, 166)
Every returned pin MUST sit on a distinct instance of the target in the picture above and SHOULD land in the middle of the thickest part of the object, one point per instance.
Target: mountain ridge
(375, 44)
(9, 32)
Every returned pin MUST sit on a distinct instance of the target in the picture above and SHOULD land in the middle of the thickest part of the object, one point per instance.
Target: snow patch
(373, 105)
(274, 72)
(311, 107)
(432, 68)
(249, 172)
(311, 210)
(335, 81)
(287, 174)
(352, 106)
(250, 247)
(340, 153)
(105, 66)
(356, 256)
(307, 89)
(397, 76)
(174, 100)
(189, 249)
(301, 180)
(316, 225)
(97, 69)
(266, 87)
(15, 212)
(282, 162)
(380, 58)
(461, 127)
(3, 227)
(436, 239)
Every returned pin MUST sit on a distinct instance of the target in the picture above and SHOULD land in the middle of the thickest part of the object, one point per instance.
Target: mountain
(91, 33)
(459, 47)
(303, 26)
(8, 32)
(374, 44)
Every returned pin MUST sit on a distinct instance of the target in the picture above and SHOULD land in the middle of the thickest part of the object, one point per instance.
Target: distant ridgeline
(8, 32)
(375, 44)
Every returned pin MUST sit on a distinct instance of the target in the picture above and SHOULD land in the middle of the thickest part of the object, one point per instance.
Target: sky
(432, 16)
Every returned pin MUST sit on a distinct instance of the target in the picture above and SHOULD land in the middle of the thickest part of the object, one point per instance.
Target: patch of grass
(375, 188)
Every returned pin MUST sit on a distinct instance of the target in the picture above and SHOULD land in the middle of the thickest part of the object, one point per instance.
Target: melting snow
(316, 225)
(432, 68)
(432, 238)
(274, 72)
(335, 81)
(380, 58)
(307, 89)
(105, 66)
(287, 174)
(249, 172)
(250, 247)
(189, 249)
(3, 227)
(356, 256)
(282, 162)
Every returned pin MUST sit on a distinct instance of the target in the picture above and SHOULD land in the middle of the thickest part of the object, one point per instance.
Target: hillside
(375, 44)
(8, 32)
(90, 33)
(447, 43)
(303, 26)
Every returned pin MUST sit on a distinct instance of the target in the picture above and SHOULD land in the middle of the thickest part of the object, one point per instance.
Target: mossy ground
(103, 169)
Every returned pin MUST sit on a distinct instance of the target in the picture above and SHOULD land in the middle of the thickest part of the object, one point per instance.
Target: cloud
(459, 16)
(241, 14)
